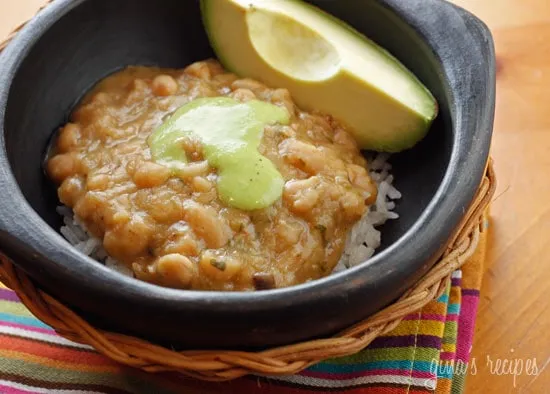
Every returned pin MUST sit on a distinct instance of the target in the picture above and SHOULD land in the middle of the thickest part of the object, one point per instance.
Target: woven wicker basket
(225, 364)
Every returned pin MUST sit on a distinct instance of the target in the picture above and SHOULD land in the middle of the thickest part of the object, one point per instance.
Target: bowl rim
(441, 216)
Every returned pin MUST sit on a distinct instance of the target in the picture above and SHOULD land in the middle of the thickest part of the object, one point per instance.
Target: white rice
(361, 244)
(364, 238)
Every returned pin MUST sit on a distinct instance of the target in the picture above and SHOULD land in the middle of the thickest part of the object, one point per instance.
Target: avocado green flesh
(325, 64)
(230, 132)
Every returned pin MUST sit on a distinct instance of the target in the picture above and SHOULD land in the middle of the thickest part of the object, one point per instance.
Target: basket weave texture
(223, 365)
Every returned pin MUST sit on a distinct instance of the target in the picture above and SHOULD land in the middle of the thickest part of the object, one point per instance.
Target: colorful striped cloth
(427, 352)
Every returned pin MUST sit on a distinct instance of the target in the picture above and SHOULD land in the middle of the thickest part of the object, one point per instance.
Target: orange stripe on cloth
(50, 362)
(56, 353)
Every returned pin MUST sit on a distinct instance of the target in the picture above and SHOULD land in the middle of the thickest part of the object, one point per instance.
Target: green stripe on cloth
(14, 308)
(126, 382)
(450, 333)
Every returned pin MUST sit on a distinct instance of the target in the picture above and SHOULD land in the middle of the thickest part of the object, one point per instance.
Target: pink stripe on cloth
(466, 325)
(447, 356)
(374, 372)
(11, 390)
(452, 317)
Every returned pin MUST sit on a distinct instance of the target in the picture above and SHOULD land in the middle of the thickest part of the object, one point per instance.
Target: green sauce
(230, 132)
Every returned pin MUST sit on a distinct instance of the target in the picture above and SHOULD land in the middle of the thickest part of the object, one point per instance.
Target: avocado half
(325, 64)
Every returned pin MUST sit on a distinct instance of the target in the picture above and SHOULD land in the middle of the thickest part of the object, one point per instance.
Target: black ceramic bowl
(74, 43)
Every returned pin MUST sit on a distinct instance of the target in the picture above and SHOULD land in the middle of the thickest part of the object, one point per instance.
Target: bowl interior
(98, 37)
(91, 39)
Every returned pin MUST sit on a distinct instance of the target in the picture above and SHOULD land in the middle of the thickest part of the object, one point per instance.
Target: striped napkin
(419, 356)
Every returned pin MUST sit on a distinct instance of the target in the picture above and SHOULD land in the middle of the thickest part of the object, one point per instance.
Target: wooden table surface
(514, 315)
(513, 325)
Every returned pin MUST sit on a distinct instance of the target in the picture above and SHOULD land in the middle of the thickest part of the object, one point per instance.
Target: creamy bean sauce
(166, 211)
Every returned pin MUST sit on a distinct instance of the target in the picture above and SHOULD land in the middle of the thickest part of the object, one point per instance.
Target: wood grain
(514, 311)
(514, 314)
